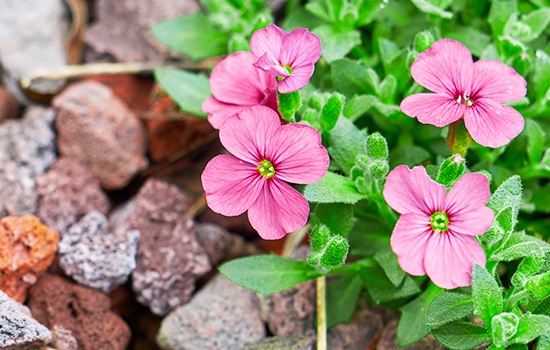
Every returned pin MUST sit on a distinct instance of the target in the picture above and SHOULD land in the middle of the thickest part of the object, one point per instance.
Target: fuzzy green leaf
(388, 262)
(346, 142)
(333, 188)
(349, 77)
(336, 43)
(448, 307)
(342, 297)
(486, 294)
(382, 290)
(461, 335)
(359, 105)
(530, 327)
(535, 140)
(539, 285)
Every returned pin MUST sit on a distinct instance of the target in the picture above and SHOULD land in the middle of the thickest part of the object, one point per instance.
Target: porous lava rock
(20, 331)
(66, 192)
(170, 258)
(388, 340)
(221, 316)
(27, 249)
(111, 35)
(27, 148)
(54, 301)
(98, 129)
(215, 240)
(9, 107)
(96, 258)
(283, 342)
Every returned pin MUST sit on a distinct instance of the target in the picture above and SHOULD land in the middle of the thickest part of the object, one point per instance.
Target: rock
(169, 259)
(359, 334)
(27, 249)
(32, 34)
(389, 335)
(96, 128)
(63, 339)
(66, 192)
(215, 240)
(9, 106)
(54, 301)
(220, 316)
(292, 312)
(282, 342)
(27, 148)
(19, 330)
(111, 35)
(95, 258)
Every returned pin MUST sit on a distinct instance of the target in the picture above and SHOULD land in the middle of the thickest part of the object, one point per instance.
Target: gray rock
(20, 330)
(27, 148)
(32, 34)
(221, 316)
(95, 258)
(282, 342)
(215, 240)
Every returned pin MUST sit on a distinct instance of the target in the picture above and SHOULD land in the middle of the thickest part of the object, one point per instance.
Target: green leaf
(289, 104)
(333, 188)
(332, 110)
(486, 294)
(388, 88)
(348, 77)
(517, 251)
(342, 297)
(388, 262)
(409, 155)
(540, 199)
(475, 40)
(267, 274)
(429, 8)
(461, 335)
(369, 235)
(337, 216)
(536, 21)
(346, 142)
(535, 140)
(188, 90)
(382, 290)
(542, 71)
(448, 307)
(543, 308)
(336, 43)
(504, 326)
(531, 327)
(544, 342)
(359, 105)
(412, 325)
(539, 285)
(192, 36)
(500, 12)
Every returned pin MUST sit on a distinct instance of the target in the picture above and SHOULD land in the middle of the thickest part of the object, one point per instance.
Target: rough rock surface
(27, 148)
(95, 258)
(54, 301)
(27, 249)
(32, 34)
(221, 316)
(110, 35)
(169, 259)
(96, 128)
(359, 334)
(19, 330)
(215, 240)
(388, 340)
(282, 342)
(9, 107)
(66, 192)
(63, 339)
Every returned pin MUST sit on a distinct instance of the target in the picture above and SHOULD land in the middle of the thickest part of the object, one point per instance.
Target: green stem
(321, 314)
(458, 138)
(352, 268)
(512, 301)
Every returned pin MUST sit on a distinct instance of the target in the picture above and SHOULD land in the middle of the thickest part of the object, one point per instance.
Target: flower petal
(265, 64)
(492, 124)
(413, 191)
(432, 109)
(231, 185)
(247, 133)
(496, 81)
(473, 223)
(471, 192)
(235, 80)
(409, 240)
(450, 258)
(279, 210)
(268, 41)
(300, 48)
(444, 68)
(298, 79)
(296, 152)
(219, 111)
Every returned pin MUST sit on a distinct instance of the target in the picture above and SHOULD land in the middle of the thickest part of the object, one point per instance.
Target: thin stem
(512, 301)
(293, 240)
(321, 314)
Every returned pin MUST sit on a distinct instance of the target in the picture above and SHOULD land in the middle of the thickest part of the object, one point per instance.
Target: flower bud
(362, 162)
(451, 170)
(319, 237)
(262, 20)
(335, 253)
(356, 172)
(364, 185)
(504, 326)
(317, 101)
(376, 146)
(238, 43)
(379, 169)
(411, 56)
(423, 40)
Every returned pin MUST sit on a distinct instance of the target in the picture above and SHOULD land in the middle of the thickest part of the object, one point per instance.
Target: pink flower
(237, 85)
(291, 57)
(266, 155)
(466, 89)
(435, 233)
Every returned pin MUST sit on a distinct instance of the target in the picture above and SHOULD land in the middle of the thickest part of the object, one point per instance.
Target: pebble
(388, 340)
(283, 342)
(20, 331)
(221, 316)
(66, 192)
(96, 128)
(95, 258)
(27, 249)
